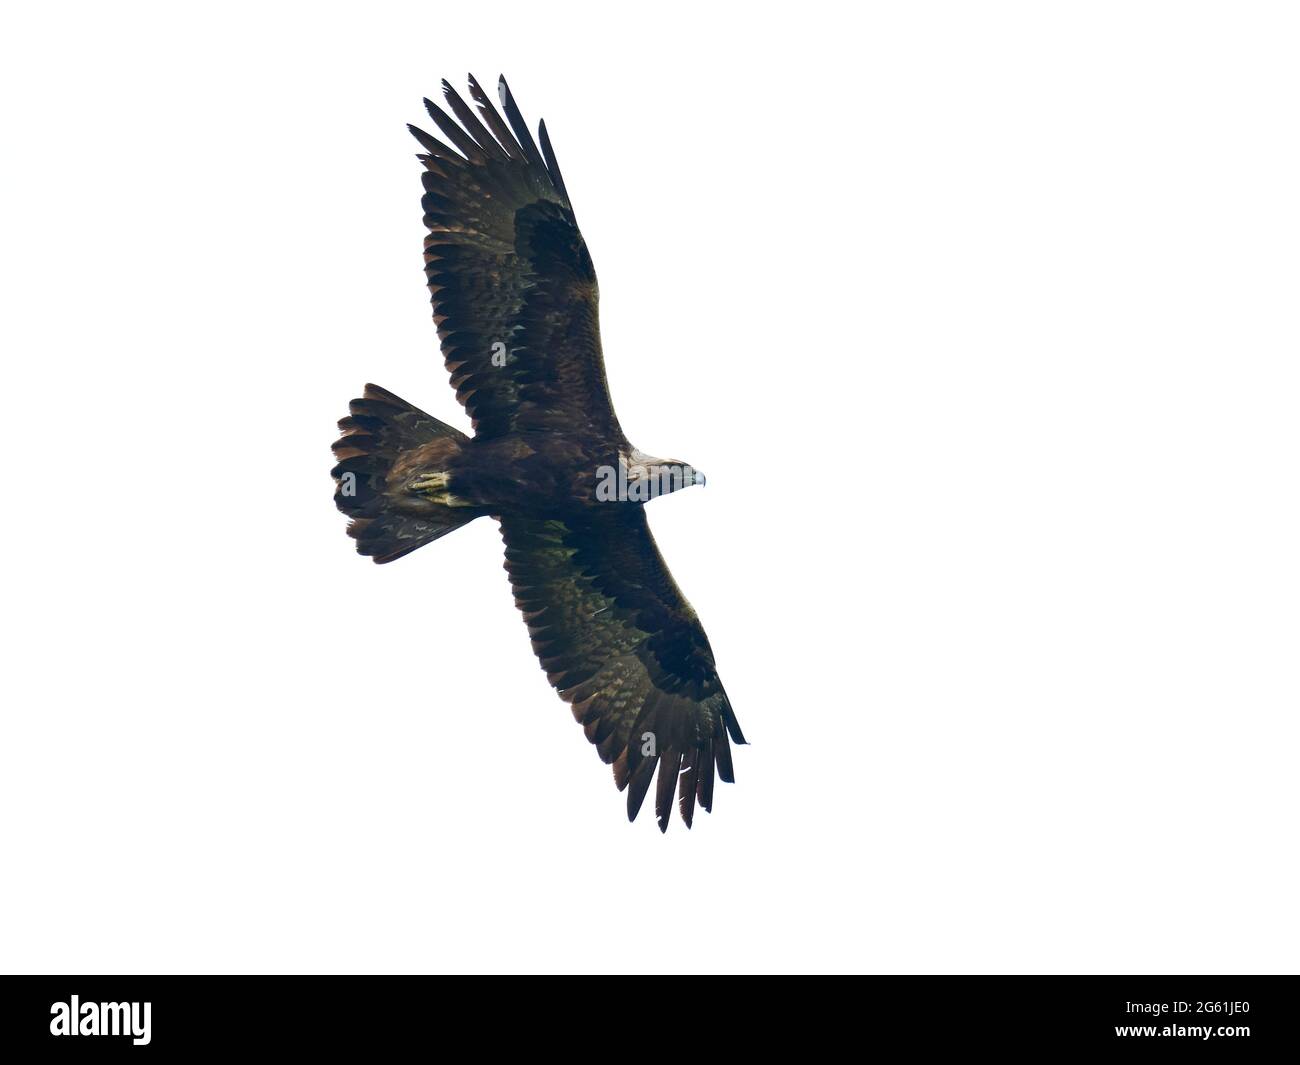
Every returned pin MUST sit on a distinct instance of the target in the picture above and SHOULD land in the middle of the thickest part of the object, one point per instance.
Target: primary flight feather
(515, 302)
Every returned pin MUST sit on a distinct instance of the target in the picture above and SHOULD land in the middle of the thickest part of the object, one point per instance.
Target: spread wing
(621, 644)
(514, 289)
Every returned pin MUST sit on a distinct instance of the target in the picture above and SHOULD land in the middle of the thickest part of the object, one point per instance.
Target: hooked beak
(699, 478)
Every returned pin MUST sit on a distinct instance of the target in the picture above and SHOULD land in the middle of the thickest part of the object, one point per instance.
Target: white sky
(982, 323)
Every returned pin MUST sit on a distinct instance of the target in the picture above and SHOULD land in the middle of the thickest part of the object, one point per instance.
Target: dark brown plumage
(515, 302)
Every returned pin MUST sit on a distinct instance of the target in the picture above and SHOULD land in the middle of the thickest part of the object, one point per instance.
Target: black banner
(1212, 1015)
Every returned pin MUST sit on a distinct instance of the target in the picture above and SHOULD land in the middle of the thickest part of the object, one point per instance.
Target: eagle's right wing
(620, 643)
(514, 289)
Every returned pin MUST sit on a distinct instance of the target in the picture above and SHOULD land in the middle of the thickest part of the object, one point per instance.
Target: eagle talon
(428, 483)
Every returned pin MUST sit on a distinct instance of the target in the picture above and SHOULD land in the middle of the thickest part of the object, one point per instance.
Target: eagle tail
(381, 431)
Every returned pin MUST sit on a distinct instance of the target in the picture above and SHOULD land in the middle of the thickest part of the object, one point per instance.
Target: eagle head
(642, 477)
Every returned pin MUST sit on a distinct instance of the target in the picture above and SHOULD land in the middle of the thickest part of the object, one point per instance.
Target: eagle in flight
(514, 299)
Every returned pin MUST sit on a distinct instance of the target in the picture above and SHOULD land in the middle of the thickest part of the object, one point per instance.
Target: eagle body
(515, 301)
(530, 473)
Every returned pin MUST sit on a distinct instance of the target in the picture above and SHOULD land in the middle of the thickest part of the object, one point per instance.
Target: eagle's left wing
(513, 285)
(619, 641)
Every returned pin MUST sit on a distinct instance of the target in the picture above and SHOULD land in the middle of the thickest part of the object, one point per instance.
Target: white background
(981, 320)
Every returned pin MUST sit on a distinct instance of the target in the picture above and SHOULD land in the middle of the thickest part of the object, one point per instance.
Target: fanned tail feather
(380, 429)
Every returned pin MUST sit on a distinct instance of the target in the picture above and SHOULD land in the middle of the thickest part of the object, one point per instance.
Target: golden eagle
(514, 299)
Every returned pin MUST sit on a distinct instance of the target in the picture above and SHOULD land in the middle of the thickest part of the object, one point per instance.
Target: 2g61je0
(1223, 1007)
